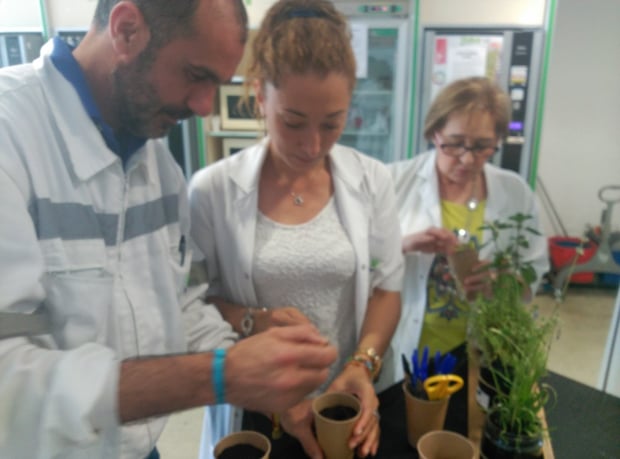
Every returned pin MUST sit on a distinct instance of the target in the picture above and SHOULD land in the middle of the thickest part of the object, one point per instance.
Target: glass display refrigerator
(22, 31)
(510, 56)
(19, 47)
(379, 113)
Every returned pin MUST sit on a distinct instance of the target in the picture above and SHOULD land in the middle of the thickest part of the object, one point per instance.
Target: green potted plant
(512, 342)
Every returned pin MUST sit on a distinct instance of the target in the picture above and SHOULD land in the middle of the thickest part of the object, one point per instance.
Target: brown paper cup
(333, 435)
(462, 262)
(423, 415)
(245, 437)
(442, 444)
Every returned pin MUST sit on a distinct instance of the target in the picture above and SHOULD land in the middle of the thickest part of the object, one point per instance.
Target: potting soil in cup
(338, 412)
(241, 452)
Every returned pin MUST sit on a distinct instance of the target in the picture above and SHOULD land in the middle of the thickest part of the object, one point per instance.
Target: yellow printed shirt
(445, 319)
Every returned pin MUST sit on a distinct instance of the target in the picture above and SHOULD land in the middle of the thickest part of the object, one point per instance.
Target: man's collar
(63, 59)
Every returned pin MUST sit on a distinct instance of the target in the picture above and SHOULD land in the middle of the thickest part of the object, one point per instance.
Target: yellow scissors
(442, 386)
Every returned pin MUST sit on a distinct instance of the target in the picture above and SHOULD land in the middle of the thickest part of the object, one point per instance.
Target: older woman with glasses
(444, 196)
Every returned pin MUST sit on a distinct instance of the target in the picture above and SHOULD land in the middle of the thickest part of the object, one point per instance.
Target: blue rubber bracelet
(219, 355)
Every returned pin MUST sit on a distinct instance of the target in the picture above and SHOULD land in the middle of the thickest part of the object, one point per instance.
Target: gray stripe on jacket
(73, 221)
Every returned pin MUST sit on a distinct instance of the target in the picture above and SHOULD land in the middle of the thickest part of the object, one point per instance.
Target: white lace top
(310, 266)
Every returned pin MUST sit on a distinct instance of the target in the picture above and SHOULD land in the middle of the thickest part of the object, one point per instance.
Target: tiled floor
(181, 438)
(584, 324)
(577, 353)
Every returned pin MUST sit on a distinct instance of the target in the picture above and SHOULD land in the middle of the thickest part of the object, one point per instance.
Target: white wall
(70, 14)
(256, 10)
(19, 15)
(482, 12)
(580, 146)
(515, 12)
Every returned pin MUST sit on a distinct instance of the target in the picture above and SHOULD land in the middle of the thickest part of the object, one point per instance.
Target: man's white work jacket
(103, 251)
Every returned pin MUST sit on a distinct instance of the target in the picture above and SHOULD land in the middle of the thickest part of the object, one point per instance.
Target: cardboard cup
(462, 262)
(333, 435)
(423, 415)
(244, 437)
(443, 444)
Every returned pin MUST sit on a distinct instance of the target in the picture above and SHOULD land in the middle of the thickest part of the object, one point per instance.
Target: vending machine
(19, 47)
(510, 56)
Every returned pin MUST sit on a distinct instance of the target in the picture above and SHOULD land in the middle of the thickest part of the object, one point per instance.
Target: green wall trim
(414, 76)
(44, 20)
(202, 161)
(550, 22)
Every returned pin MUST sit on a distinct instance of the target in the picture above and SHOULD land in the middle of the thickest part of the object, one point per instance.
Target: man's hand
(276, 369)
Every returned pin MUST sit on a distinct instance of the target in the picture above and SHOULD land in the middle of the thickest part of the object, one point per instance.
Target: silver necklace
(464, 234)
(297, 199)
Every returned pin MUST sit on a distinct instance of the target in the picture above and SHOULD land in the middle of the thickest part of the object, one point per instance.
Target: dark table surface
(394, 444)
(584, 422)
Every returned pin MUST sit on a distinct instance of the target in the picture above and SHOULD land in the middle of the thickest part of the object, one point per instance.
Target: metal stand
(602, 261)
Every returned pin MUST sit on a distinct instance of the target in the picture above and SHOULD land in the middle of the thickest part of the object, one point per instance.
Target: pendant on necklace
(472, 203)
(463, 234)
(297, 199)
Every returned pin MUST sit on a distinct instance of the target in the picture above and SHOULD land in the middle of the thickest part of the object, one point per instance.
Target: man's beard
(139, 109)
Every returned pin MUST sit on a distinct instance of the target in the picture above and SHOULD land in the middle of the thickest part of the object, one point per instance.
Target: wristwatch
(247, 322)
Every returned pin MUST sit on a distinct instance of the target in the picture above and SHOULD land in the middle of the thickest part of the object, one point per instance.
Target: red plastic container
(562, 251)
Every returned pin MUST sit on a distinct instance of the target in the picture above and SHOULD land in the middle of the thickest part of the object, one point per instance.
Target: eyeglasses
(457, 150)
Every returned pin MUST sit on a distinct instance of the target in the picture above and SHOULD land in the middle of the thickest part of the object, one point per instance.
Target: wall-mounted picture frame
(232, 145)
(233, 115)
